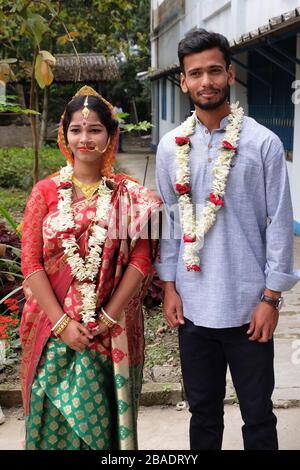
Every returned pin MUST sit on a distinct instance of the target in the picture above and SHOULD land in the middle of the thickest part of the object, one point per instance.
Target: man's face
(206, 78)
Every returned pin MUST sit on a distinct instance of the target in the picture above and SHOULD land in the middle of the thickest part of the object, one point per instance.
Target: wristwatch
(277, 303)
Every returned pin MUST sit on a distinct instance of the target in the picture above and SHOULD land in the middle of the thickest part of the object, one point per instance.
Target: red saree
(132, 207)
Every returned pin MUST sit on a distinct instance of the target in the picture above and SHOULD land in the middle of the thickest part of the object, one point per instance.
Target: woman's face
(87, 137)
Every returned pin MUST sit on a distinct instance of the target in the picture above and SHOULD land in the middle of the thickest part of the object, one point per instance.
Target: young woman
(86, 271)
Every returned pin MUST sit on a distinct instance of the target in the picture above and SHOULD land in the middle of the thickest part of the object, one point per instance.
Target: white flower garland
(194, 229)
(85, 271)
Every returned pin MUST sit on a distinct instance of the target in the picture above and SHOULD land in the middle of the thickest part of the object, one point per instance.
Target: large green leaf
(20, 276)
(8, 217)
(15, 108)
(38, 26)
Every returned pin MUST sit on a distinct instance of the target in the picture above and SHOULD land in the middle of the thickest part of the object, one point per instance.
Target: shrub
(16, 165)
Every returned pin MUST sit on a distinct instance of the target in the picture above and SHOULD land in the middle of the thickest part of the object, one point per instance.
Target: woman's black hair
(200, 40)
(94, 104)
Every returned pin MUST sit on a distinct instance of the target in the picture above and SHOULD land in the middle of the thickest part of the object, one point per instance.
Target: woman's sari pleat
(72, 401)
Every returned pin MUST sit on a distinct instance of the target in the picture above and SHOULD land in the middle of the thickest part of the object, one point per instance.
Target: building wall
(235, 17)
(15, 136)
(294, 168)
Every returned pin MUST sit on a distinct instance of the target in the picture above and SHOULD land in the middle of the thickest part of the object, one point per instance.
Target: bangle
(62, 325)
(105, 320)
(58, 322)
(107, 316)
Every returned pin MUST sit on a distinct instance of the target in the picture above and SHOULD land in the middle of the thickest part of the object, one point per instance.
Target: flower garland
(85, 271)
(195, 229)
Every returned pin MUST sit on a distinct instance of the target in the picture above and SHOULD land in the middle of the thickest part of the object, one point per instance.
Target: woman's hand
(76, 336)
(100, 329)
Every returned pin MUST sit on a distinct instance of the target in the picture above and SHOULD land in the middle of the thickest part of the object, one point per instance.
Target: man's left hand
(263, 323)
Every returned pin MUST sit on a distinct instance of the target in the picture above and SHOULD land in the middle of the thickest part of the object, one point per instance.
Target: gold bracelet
(59, 322)
(105, 320)
(108, 317)
(61, 327)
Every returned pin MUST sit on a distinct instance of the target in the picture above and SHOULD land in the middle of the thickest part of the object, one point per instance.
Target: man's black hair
(200, 40)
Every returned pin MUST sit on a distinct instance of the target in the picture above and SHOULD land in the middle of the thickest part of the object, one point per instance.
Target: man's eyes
(216, 71)
(198, 73)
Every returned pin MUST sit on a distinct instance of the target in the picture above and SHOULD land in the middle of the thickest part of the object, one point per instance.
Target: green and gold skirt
(72, 404)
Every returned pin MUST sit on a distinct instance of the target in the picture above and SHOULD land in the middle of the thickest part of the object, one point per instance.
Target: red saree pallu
(121, 352)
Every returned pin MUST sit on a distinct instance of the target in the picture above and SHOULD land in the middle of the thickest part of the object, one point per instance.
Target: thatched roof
(90, 68)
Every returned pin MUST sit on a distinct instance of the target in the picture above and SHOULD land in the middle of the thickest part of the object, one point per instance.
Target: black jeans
(205, 353)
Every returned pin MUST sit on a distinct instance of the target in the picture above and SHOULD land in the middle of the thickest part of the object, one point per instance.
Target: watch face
(280, 303)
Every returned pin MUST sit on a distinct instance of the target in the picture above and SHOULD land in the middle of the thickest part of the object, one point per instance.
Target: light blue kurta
(251, 244)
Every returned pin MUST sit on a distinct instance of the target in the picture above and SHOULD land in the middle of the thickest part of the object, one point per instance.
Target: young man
(226, 176)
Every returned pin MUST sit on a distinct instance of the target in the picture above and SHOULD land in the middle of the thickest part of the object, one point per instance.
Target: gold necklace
(88, 189)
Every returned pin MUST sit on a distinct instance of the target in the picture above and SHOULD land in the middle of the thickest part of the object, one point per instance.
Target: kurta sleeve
(32, 236)
(140, 257)
(279, 233)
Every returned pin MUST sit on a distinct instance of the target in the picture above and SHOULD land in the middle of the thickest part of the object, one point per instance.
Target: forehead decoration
(85, 112)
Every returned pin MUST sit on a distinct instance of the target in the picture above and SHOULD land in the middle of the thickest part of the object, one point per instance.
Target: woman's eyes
(93, 131)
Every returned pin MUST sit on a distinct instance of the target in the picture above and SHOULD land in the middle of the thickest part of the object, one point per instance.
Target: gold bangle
(108, 317)
(61, 327)
(54, 328)
(105, 320)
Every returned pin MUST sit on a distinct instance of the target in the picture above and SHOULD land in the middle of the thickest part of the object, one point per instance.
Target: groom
(223, 276)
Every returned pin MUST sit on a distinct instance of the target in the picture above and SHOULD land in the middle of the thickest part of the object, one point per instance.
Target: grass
(161, 343)
(13, 200)
(16, 175)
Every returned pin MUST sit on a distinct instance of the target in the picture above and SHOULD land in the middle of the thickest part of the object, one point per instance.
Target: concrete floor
(165, 428)
(172, 428)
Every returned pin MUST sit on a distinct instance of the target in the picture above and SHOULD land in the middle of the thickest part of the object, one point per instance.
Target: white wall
(167, 46)
(235, 17)
(295, 173)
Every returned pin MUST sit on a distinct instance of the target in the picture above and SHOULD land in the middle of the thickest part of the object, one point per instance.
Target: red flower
(12, 304)
(66, 233)
(182, 140)
(218, 201)
(189, 239)
(194, 267)
(182, 188)
(228, 145)
(65, 185)
(14, 308)
(92, 324)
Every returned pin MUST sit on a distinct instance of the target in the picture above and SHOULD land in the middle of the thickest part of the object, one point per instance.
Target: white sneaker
(2, 417)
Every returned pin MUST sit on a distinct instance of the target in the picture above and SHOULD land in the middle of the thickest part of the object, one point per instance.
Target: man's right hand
(173, 311)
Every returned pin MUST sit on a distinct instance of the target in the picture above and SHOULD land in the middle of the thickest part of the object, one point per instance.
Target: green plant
(16, 163)
(13, 200)
(10, 269)
(12, 107)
